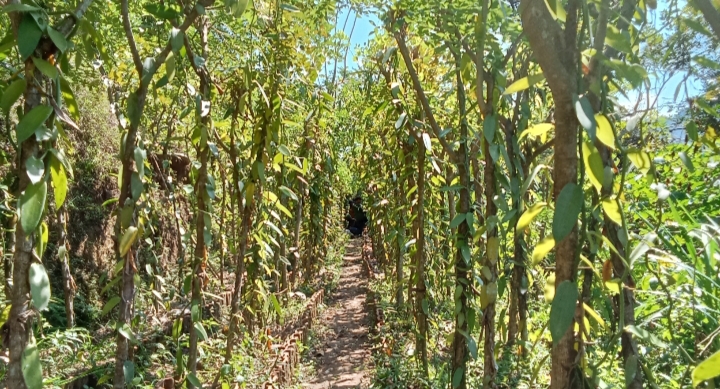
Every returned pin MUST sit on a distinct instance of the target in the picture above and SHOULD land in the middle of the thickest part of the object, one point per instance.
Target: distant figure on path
(356, 220)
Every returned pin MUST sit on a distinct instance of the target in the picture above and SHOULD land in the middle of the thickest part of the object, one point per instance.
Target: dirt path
(342, 354)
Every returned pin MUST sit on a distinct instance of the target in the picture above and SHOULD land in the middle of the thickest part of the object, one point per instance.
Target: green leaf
(489, 126)
(645, 336)
(530, 178)
(164, 11)
(31, 367)
(32, 121)
(290, 8)
(35, 169)
(686, 161)
(400, 121)
(288, 192)
(45, 67)
(177, 328)
(527, 217)
(542, 249)
(237, 7)
(136, 186)
(128, 239)
(427, 141)
(69, 99)
(464, 250)
(32, 206)
(63, 160)
(177, 38)
(457, 220)
(594, 168)
(42, 239)
(58, 39)
(617, 39)
(59, 181)
(192, 378)
(697, 26)
(640, 159)
(567, 209)
(200, 331)
(631, 368)
(169, 69)
(29, 34)
(284, 150)
(110, 305)
(276, 305)
(706, 62)
(612, 210)
(133, 111)
(472, 347)
(707, 369)
(585, 115)
(457, 377)
(691, 128)
(556, 8)
(39, 286)
(128, 372)
(562, 311)
(524, 83)
(127, 333)
(20, 8)
(604, 131)
(11, 94)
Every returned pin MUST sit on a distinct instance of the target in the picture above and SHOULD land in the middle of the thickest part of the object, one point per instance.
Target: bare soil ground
(341, 354)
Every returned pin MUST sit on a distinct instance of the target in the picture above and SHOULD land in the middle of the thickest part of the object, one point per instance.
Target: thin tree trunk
(420, 302)
(64, 260)
(462, 267)
(9, 253)
(202, 229)
(449, 176)
(409, 172)
(490, 277)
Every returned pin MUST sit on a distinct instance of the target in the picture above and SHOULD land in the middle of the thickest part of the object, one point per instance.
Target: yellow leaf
(550, 288)
(640, 159)
(612, 210)
(528, 216)
(707, 369)
(524, 83)
(127, 240)
(493, 246)
(593, 165)
(591, 312)
(537, 130)
(613, 285)
(542, 249)
(604, 131)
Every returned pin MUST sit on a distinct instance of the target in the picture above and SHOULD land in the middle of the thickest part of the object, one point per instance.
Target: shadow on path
(342, 354)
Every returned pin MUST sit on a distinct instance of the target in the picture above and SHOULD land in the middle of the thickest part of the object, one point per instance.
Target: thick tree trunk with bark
(21, 316)
(556, 51)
